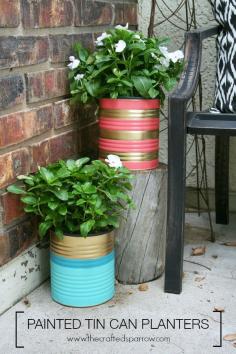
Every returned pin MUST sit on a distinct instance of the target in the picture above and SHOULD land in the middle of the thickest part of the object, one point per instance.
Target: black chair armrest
(193, 53)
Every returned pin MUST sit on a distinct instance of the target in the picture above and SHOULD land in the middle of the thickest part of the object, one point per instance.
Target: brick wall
(37, 124)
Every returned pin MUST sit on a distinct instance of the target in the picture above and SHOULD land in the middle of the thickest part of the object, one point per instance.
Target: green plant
(76, 196)
(124, 64)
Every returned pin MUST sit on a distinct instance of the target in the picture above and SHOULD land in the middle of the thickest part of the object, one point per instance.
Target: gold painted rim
(129, 135)
(131, 156)
(129, 113)
(83, 248)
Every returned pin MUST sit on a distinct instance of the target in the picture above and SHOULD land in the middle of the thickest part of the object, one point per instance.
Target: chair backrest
(225, 95)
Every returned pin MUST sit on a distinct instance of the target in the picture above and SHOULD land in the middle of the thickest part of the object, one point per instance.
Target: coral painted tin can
(129, 128)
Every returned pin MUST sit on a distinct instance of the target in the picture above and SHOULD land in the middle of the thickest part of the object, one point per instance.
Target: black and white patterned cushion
(225, 95)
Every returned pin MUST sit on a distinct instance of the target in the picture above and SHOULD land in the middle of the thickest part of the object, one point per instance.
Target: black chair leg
(222, 179)
(176, 199)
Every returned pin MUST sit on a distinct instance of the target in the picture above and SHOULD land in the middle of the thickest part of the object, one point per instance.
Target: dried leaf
(198, 251)
(26, 302)
(219, 309)
(230, 337)
(198, 279)
(230, 243)
(143, 287)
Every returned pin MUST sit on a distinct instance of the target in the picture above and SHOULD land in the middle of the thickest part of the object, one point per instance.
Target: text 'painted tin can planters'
(129, 128)
(82, 269)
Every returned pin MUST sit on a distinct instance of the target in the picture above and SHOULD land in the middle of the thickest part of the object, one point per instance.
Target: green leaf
(47, 175)
(83, 97)
(114, 94)
(86, 227)
(153, 92)
(61, 194)
(15, 189)
(89, 170)
(29, 209)
(29, 200)
(52, 205)
(59, 233)
(27, 179)
(170, 84)
(93, 87)
(142, 85)
(80, 202)
(88, 188)
(113, 221)
(63, 172)
(102, 223)
(44, 227)
(127, 83)
(62, 210)
(79, 163)
(71, 165)
(90, 60)
(110, 196)
(137, 46)
(83, 54)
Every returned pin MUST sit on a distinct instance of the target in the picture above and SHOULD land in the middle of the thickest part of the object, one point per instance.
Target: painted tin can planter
(129, 128)
(82, 269)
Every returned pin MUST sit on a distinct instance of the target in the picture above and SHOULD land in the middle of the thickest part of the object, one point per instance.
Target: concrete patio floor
(207, 285)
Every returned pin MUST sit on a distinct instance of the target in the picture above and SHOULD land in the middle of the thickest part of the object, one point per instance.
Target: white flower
(74, 64)
(71, 58)
(153, 55)
(113, 161)
(175, 56)
(99, 41)
(122, 27)
(165, 62)
(120, 46)
(164, 51)
(79, 77)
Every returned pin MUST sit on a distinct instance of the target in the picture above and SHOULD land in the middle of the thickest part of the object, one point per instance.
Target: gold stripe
(83, 248)
(129, 113)
(132, 156)
(128, 135)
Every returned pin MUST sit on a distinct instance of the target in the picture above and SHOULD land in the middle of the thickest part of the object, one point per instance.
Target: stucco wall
(204, 17)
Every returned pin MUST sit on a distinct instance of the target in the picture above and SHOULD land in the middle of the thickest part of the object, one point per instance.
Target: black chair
(181, 123)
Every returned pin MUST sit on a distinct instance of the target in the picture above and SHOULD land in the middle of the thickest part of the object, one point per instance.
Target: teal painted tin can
(82, 269)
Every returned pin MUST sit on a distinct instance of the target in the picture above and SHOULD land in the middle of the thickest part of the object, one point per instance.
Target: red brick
(126, 13)
(61, 45)
(47, 13)
(89, 140)
(14, 240)
(87, 114)
(13, 164)
(40, 155)
(9, 13)
(5, 249)
(12, 207)
(64, 113)
(21, 51)
(21, 126)
(12, 91)
(92, 13)
(20, 162)
(47, 84)
(63, 146)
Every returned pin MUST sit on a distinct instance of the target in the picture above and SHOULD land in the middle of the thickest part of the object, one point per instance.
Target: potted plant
(79, 202)
(129, 75)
